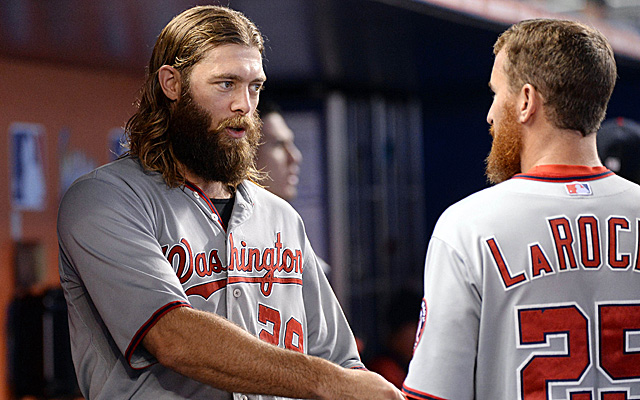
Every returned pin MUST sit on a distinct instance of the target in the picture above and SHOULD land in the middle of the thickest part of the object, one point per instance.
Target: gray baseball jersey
(532, 292)
(131, 249)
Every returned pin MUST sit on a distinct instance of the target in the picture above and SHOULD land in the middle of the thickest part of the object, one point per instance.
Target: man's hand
(361, 385)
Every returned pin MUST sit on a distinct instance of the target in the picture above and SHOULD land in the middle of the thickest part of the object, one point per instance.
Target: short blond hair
(570, 64)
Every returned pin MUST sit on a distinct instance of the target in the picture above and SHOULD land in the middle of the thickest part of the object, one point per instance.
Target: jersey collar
(215, 215)
(245, 195)
(564, 173)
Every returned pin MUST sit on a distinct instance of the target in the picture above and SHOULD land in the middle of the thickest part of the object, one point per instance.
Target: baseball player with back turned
(183, 278)
(532, 286)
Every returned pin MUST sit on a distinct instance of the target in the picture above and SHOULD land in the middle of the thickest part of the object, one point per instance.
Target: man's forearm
(212, 350)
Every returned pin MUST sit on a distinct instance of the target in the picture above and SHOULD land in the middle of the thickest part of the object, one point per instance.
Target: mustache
(246, 122)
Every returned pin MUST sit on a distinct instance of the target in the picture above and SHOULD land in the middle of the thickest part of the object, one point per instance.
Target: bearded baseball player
(183, 278)
(532, 286)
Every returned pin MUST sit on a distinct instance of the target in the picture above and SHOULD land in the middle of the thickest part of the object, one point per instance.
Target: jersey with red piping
(532, 292)
(132, 249)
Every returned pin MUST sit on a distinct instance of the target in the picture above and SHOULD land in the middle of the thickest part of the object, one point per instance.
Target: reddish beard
(212, 154)
(503, 161)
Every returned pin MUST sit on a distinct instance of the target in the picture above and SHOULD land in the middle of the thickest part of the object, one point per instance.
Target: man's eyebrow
(235, 77)
(231, 77)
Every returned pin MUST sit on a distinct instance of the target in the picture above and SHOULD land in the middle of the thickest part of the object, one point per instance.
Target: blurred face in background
(279, 157)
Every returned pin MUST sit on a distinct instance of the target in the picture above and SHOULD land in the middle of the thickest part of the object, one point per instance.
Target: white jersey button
(237, 293)
(196, 195)
(215, 217)
(243, 397)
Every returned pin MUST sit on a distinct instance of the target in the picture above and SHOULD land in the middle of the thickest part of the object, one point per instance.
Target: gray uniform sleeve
(330, 336)
(443, 362)
(112, 266)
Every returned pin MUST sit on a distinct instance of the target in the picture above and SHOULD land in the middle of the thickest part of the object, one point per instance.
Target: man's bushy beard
(503, 161)
(211, 154)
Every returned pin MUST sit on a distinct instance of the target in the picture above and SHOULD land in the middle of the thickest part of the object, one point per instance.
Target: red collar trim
(564, 173)
(207, 200)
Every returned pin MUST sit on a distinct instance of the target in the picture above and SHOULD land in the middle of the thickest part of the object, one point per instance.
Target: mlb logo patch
(578, 189)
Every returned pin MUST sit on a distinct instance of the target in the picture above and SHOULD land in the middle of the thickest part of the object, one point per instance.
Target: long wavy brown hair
(181, 44)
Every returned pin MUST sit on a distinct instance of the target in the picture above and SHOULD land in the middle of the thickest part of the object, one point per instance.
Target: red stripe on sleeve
(137, 338)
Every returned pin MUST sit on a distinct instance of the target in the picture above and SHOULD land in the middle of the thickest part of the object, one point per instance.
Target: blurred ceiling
(392, 44)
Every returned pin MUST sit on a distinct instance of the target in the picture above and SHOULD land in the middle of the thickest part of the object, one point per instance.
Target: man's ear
(529, 102)
(170, 81)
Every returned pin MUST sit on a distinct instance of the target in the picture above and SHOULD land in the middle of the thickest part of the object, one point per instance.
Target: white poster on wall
(26, 147)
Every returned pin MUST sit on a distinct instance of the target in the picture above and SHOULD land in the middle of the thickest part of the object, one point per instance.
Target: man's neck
(556, 146)
(213, 189)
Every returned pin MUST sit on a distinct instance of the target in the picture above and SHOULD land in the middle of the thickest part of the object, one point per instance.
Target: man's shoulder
(624, 184)
(126, 171)
(473, 212)
(126, 167)
(123, 177)
(261, 196)
(483, 199)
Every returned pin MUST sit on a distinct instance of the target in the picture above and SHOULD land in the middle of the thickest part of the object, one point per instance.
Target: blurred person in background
(278, 155)
(279, 158)
(619, 147)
